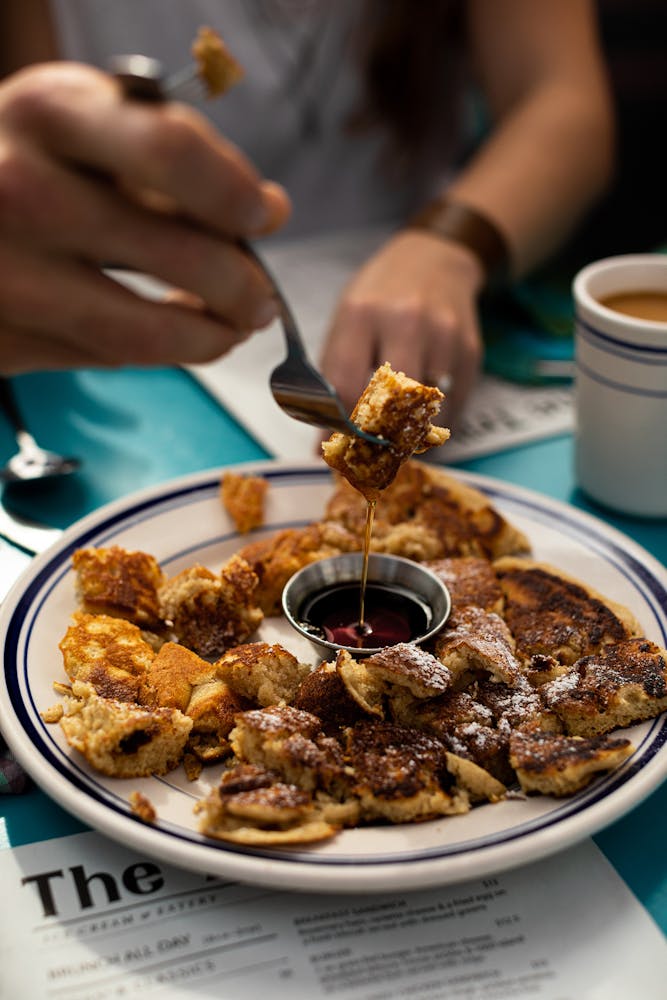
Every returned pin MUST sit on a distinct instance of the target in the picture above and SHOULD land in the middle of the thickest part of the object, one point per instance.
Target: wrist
(459, 223)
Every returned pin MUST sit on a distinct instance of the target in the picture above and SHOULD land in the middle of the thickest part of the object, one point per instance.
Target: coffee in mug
(643, 304)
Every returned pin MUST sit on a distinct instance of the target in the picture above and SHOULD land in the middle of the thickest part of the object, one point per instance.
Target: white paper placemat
(90, 918)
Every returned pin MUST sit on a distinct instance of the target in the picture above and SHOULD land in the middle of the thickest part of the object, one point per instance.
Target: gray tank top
(289, 114)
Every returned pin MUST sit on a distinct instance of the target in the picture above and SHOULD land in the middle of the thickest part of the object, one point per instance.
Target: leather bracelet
(458, 222)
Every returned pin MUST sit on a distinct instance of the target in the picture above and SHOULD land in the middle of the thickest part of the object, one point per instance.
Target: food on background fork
(216, 66)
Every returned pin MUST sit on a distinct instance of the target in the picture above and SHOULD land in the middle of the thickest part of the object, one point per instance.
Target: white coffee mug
(621, 388)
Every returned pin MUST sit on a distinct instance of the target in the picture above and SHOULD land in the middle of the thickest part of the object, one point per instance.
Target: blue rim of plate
(626, 556)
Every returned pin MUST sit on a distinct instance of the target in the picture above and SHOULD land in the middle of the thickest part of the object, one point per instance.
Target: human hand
(88, 178)
(412, 304)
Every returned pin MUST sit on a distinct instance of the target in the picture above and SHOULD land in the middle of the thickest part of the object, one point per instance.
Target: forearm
(540, 170)
(550, 152)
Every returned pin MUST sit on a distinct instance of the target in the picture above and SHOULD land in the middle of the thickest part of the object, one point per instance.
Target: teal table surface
(136, 428)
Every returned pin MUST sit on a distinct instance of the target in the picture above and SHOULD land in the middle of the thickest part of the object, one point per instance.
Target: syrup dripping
(362, 626)
(362, 615)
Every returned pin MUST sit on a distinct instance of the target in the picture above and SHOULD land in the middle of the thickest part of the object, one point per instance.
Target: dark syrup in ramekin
(391, 615)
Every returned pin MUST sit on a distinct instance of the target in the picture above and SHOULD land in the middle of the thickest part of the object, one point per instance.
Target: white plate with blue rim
(182, 523)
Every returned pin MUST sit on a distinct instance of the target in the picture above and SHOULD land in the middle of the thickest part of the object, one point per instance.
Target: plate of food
(153, 689)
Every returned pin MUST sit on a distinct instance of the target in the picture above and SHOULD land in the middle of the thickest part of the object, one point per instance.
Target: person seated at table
(359, 109)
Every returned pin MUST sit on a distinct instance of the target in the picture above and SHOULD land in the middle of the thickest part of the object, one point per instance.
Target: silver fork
(297, 386)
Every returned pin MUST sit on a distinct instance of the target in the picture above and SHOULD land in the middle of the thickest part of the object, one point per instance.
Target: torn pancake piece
(323, 693)
(516, 706)
(561, 765)
(469, 580)
(123, 740)
(398, 409)
(276, 558)
(624, 684)
(110, 653)
(243, 497)
(178, 678)
(292, 744)
(552, 614)
(118, 582)
(426, 514)
(466, 728)
(252, 806)
(209, 612)
(388, 679)
(263, 672)
(401, 775)
(477, 782)
(475, 642)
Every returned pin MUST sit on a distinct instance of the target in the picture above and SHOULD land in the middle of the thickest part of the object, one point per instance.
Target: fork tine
(304, 399)
(303, 393)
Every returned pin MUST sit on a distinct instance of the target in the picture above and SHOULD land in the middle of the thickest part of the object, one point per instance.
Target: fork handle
(140, 77)
(295, 344)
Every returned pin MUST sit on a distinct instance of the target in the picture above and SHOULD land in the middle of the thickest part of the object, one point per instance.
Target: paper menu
(84, 918)
(312, 273)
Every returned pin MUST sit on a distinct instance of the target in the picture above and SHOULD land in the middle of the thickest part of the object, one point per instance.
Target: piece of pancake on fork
(398, 409)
